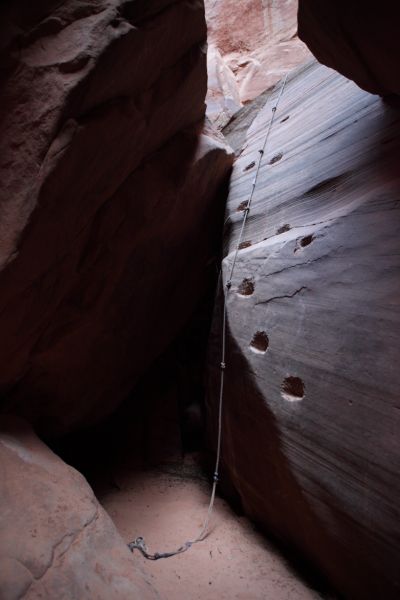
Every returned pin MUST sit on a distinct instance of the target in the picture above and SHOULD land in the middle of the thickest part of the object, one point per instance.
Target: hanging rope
(139, 543)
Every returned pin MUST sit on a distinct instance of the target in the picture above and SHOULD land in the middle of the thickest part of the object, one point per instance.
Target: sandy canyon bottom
(167, 506)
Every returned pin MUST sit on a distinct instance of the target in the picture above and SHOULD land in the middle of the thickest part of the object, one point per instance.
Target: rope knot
(223, 365)
(228, 284)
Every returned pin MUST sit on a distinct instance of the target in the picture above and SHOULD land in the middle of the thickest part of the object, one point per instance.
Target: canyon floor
(167, 506)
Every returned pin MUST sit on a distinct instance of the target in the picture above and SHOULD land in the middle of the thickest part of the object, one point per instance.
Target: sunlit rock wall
(253, 43)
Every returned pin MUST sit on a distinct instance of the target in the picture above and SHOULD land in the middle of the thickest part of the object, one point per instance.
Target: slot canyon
(199, 300)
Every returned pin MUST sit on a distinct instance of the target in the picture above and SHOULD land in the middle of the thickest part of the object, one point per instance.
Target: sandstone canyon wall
(252, 44)
(358, 39)
(111, 205)
(110, 209)
(311, 409)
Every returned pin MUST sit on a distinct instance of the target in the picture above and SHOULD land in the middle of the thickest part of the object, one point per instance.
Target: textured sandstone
(109, 211)
(56, 541)
(360, 40)
(252, 45)
(311, 410)
(223, 99)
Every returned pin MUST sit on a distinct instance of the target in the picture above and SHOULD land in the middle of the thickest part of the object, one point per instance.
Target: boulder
(111, 199)
(56, 541)
(311, 411)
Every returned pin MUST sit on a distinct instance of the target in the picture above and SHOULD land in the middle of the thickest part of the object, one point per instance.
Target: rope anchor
(139, 543)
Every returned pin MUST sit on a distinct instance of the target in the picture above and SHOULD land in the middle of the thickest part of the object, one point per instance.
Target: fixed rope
(139, 543)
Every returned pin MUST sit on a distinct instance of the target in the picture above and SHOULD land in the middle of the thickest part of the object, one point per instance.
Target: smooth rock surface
(311, 409)
(257, 44)
(360, 40)
(56, 541)
(110, 208)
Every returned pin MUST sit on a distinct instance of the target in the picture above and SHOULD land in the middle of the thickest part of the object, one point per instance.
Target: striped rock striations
(311, 409)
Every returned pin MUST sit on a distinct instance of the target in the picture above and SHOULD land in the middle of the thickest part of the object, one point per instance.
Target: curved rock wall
(110, 209)
(311, 410)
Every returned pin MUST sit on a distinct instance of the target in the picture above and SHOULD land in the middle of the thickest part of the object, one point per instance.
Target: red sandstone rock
(223, 98)
(258, 44)
(56, 541)
(311, 405)
(109, 212)
(360, 40)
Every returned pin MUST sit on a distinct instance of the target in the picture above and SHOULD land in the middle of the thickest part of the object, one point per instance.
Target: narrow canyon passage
(151, 472)
(199, 284)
